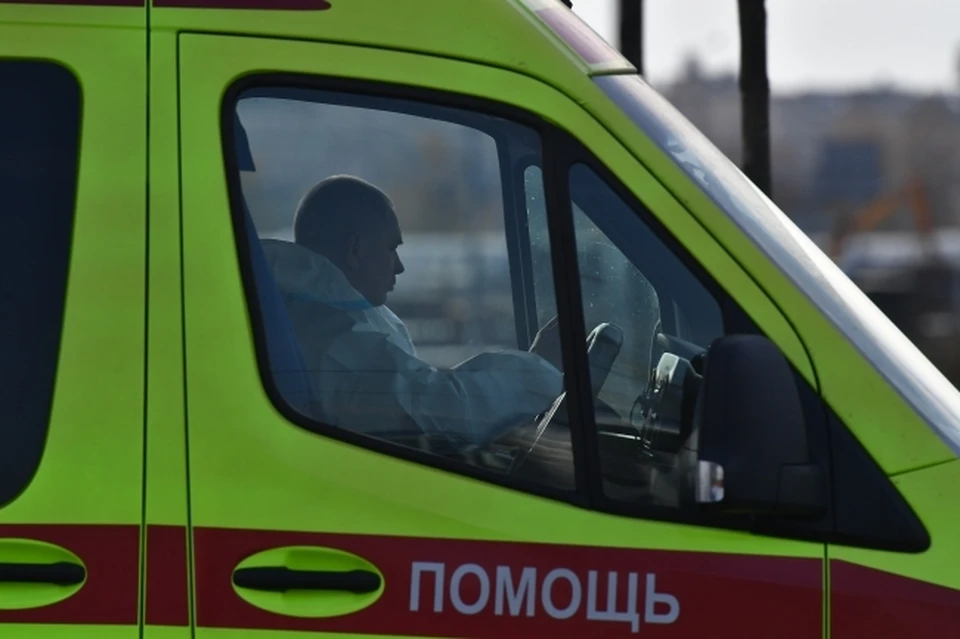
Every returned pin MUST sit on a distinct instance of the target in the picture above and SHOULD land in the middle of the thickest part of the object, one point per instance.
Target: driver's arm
(368, 384)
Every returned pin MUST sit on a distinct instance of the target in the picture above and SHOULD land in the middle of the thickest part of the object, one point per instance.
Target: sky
(827, 44)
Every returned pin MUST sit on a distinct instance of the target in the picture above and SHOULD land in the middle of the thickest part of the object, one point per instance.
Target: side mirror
(748, 451)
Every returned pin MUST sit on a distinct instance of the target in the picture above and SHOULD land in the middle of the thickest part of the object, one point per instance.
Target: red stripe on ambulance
(111, 555)
(865, 602)
(167, 597)
(442, 587)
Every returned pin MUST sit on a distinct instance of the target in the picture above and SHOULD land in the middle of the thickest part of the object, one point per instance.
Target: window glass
(539, 233)
(660, 312)
(644, 304)
(394, 299)
(39, 144)
(638, 282)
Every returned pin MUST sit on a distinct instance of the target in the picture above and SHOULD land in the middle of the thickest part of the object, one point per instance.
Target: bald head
(352, 223)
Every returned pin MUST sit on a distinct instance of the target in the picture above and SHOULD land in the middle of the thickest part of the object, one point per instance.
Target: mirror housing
(748, 451)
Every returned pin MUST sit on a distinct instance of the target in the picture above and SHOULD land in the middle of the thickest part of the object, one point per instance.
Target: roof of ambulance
(501, 33)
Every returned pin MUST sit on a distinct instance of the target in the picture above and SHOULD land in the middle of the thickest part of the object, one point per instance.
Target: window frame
(559, 151)
(22, 453)
(574, 383)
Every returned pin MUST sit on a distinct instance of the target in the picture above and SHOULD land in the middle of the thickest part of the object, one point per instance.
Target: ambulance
(742, 445)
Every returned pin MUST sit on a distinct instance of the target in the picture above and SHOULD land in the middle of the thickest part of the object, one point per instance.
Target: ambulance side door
(72, 349)
(299, 525)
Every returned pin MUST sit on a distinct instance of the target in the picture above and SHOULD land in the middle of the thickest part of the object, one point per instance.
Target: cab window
(633, 286)
(392, 287)
(39, 144)
(402, 258)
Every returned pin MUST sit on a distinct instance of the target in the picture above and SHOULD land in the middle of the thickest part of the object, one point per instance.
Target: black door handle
(60, 574)
(278, 579)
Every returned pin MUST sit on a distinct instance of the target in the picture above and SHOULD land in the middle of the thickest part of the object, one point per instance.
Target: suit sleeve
(367, 383)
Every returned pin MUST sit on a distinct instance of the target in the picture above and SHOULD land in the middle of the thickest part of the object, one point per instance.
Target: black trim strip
(59, 574)
(566, 285)
(281, 579)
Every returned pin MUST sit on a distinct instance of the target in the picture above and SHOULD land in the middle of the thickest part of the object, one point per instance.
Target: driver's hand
(546, 344)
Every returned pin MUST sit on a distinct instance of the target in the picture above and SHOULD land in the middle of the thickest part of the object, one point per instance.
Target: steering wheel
(603, 347)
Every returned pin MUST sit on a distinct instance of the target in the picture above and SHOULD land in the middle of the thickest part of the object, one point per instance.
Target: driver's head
(352, 223)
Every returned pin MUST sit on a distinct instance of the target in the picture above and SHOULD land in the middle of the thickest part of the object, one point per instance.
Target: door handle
(280, 579)
(34, 574)
(61, 573)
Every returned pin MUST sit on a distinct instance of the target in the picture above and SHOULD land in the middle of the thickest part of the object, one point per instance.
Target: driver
(335, 278)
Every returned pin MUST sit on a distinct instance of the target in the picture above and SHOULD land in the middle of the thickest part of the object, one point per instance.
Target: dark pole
(755, 93)
(631, 32)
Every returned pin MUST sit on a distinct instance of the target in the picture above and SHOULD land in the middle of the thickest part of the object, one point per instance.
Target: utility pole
(631, 32)
(755, 93)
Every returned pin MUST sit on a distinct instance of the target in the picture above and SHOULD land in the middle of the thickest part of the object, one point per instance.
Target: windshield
(802, 261)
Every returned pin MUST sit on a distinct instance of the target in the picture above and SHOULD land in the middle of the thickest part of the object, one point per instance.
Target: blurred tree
(755, 93)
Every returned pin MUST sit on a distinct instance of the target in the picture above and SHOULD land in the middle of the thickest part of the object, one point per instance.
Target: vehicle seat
(290, 373)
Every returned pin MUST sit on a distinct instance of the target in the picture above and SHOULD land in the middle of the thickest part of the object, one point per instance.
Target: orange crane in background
(913, 194)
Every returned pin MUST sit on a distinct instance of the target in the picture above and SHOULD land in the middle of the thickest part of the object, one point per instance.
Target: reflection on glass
(384, 229)
(633, 284)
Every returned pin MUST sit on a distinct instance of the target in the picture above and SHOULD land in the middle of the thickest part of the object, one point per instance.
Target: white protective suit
(368, 378)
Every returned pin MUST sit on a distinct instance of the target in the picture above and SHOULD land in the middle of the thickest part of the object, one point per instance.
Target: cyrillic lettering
(630, 616)
(420, 567)
(546, 593)
(481, 602)
(527, 587)
(650, 615)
